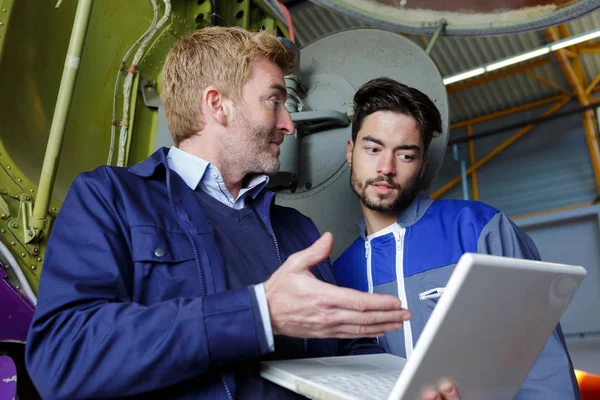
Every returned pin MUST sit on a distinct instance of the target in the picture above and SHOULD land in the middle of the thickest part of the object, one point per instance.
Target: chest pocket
(165, 265)
(431, 288)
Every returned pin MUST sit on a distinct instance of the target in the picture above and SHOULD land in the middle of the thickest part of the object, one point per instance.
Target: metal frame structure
(583, 91)
(29, 207)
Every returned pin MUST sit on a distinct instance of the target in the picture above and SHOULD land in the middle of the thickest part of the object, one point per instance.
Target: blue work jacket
(133, 295)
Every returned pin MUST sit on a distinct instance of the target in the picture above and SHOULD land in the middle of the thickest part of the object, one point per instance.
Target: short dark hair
(385, 94)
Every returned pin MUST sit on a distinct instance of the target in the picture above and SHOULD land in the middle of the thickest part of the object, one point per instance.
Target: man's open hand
(300, 305)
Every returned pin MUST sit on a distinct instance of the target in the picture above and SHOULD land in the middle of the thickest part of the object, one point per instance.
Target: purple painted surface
(16, 312)
(8, 378)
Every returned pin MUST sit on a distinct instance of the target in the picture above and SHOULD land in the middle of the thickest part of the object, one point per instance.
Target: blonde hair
(219, 56)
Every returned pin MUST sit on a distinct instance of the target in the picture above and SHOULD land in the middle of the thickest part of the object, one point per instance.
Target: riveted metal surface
(5, 10)
(33, 40)
(31, 61)
(14, 186)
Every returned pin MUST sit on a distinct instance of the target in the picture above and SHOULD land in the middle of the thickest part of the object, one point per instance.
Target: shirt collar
(388, 229)
(407, 217)
(194, 170)
(189, 167)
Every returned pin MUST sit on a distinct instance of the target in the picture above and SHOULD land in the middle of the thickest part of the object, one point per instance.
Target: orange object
(288, 17)
(589, 385)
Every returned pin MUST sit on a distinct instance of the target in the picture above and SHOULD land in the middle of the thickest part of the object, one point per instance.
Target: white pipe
(20, 275)
(123, 61)
(129, 81)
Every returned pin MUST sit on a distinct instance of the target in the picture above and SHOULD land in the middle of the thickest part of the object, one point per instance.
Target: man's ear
(216, 105)
(349, 148)
(425, 159)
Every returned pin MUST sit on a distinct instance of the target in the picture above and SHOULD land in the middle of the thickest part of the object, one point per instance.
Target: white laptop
(486, 332)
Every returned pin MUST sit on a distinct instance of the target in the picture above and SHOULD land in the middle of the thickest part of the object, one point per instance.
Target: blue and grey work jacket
(414, 259)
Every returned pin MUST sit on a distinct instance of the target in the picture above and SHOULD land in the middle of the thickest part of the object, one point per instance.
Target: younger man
(409, 244)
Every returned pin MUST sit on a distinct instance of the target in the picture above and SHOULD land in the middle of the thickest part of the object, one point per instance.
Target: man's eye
(273, 103)
(405, 157)
(372, 150)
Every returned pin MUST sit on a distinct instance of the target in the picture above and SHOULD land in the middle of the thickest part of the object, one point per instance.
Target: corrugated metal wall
(456, 54)
(547, 168)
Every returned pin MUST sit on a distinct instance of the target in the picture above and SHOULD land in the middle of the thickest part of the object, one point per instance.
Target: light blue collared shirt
(197, 172)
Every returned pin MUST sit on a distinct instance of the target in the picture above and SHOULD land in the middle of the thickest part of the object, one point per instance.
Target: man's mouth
(276, 141)
(383, 187)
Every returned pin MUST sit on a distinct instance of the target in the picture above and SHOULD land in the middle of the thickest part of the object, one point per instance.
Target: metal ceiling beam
(554, 210)
(576, 63)
(507, 143)
(546, 82)
(589, 50)
(572, 52)
(509, 111)
(497, 75)
(473, 160)
(574, 75)
(530, 121)
(592, 85)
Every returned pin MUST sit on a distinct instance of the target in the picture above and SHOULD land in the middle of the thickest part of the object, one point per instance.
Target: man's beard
(403, 197)
(257, 157)
(265, 162)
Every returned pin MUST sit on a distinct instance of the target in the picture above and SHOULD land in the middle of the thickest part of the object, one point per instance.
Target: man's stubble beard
(403, 197)
(253, 159)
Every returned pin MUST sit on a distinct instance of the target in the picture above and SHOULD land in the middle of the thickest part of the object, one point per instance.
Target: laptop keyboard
(375, 386)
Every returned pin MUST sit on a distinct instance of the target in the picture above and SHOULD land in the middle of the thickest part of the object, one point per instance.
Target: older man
(177, 276)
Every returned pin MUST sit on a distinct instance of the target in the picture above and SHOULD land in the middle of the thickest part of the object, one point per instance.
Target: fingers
(309, 257)
(448, 390)
(429, 393)
(369, 318)
(351, 299)
(358, 331)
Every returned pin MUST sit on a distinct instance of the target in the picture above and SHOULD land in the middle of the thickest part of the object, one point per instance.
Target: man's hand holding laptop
(446, 390)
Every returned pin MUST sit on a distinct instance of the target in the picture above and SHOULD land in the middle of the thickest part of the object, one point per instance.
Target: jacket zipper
(226, 388)
(275, 240)
(399, 236)
(187, 234)
(369, 269)
(196, 257)
(369, 265)
(272, 232)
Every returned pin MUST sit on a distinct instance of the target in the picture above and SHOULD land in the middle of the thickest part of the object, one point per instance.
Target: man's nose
(284, 122)
(386, 164)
